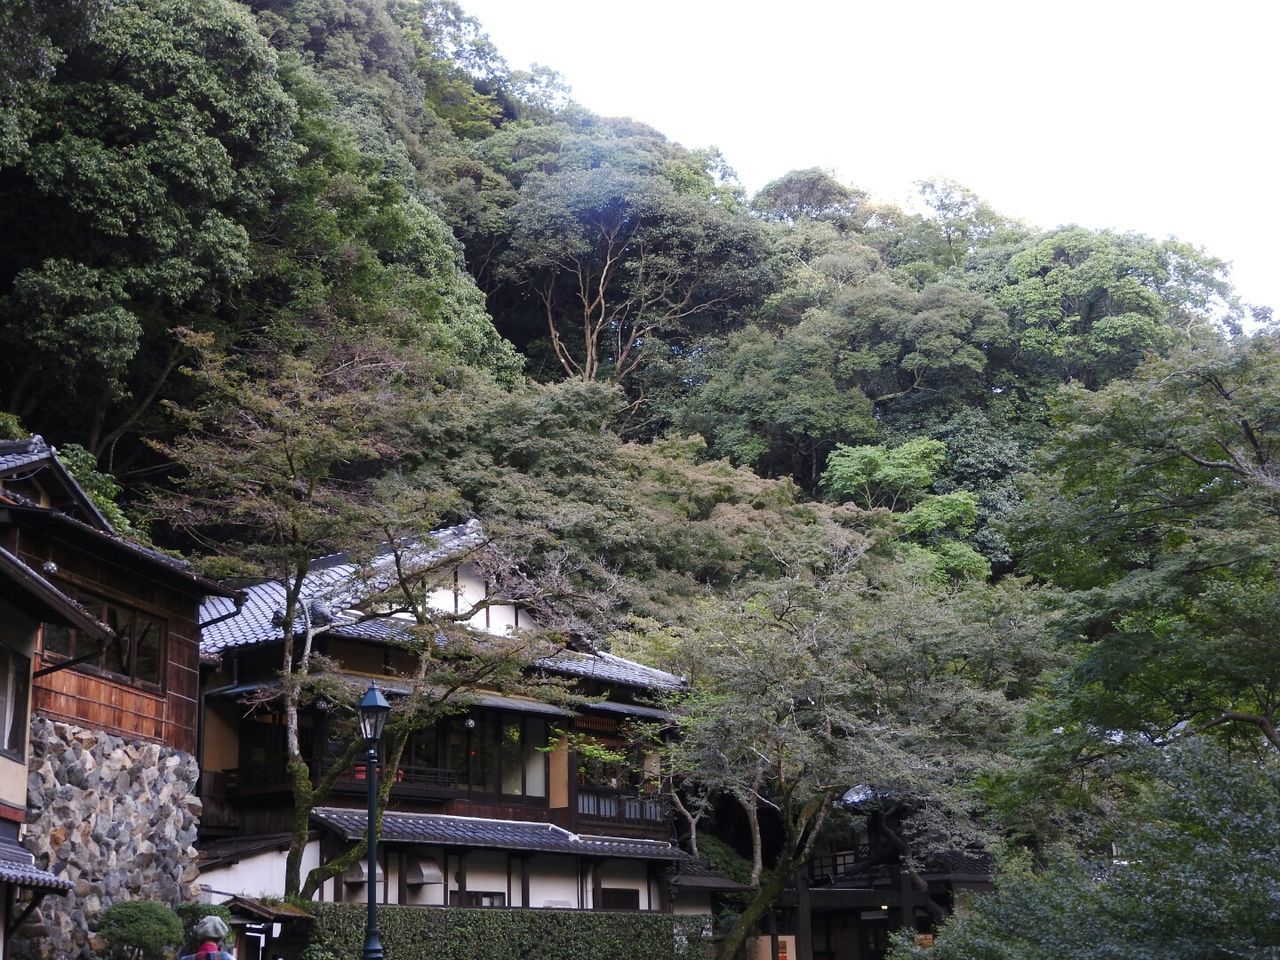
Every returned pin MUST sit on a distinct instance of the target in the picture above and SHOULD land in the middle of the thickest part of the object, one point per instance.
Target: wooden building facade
(141, 679)
(491, 806)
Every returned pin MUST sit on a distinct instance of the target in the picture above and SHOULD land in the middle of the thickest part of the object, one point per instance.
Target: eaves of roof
(17, 867)
(23, 456)
(53, 604)
(166, 569)
(477, 832)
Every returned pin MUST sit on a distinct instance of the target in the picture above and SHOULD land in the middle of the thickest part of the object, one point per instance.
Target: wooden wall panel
(89, 700)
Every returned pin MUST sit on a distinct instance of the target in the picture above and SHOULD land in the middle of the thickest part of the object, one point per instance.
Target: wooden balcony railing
(410, 780)
(603, 807)
(852, 859)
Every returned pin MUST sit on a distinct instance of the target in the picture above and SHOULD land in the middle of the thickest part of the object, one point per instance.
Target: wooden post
(907, 894)
(804, 917)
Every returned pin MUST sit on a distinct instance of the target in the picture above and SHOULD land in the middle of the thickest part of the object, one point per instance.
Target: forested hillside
(979, 515)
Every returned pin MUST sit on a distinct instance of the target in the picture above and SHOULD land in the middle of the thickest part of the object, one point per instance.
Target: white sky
(1135, 115)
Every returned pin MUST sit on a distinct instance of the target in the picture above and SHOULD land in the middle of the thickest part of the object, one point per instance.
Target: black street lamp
(373, 709)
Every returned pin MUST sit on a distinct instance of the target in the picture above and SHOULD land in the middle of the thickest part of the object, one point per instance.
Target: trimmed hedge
(457, 933)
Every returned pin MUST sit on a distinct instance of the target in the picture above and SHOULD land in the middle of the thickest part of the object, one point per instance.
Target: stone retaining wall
(116, 817)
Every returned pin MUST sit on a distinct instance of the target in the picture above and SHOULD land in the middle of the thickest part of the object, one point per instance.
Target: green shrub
(409, 933)
(140, 929)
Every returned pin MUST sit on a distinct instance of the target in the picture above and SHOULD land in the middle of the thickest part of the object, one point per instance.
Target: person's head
(210, 928)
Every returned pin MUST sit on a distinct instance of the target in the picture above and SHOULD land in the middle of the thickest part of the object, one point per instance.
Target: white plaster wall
(502, 619)
(471, 590)
(428, 894)
(442, 599)
(256, 874)
(694, 902)
(553, 878)
(486, 871)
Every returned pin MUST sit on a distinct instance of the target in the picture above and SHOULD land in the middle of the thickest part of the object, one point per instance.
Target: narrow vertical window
(535, 758)
(512, 758)
(14, 682)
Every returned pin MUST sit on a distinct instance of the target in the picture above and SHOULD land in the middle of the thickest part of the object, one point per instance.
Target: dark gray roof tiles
(333, 583)
(22, 455)
(381, 629)
(16, 454)
(609, 669)
(431, 828)
(17, 866)
(699, 874)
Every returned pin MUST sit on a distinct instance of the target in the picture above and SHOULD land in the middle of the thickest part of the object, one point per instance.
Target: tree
(963, 219)
(810, 194)
(303, 447)
(1192, 877)
(1086, 306)
(34, 39)
(850, 679)
(141, 929)
(777, 404)
(617, 258)
(156, 139)
(1156, 510)
(899, 345)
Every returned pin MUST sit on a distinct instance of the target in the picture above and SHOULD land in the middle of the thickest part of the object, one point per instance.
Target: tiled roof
(16, 454)
(629, 710)
(334, 583)
(20, 455)
(31, 877)
(609, 669)
(431, 828)
(956, 863)
(260, 910)
(216, 853)
(691, 873)
(17, 866)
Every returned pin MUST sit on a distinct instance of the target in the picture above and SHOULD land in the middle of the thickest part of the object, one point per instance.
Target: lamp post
(373, 710)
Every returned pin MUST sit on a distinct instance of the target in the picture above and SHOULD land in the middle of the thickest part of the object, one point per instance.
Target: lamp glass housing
(373, 710)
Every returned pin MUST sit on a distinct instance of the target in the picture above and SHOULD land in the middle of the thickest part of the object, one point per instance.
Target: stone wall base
(116, 817)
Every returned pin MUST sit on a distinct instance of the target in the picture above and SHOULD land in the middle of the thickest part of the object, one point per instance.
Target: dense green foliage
(1193, 877)
(998, 503)
(141, 929)
(461, 934)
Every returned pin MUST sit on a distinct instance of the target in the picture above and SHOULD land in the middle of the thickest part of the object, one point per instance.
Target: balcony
(853, 860)
(611, 811)
(410, 781)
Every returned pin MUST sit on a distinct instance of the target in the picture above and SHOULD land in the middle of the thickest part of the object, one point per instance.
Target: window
(135, 654)
(477, 898)
(499, 754)
(617, 898)
(15, 675)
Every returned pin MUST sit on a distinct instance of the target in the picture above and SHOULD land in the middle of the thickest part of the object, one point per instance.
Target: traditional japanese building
(108, 630)
(491, 806)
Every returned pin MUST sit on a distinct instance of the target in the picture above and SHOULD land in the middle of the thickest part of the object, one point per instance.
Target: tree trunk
(765, 897)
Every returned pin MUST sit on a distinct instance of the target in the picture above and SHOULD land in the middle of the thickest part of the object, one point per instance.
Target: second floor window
(135, 654)
(502, 755)
(15, 675)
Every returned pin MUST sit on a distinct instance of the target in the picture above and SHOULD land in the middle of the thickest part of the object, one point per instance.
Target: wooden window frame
(19, 702)
(98, 605)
